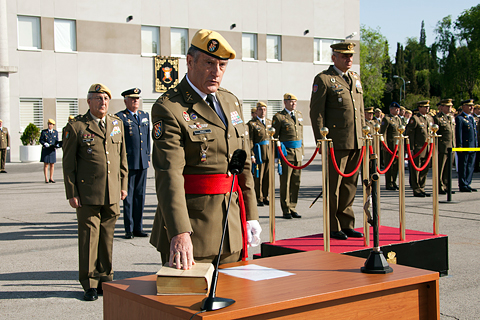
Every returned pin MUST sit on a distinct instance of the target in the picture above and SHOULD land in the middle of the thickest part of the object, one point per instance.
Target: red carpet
(387, 235)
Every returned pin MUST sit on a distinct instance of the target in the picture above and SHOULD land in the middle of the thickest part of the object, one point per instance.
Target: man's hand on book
(181, 252)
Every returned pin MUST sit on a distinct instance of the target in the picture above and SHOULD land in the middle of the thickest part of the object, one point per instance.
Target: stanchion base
(376, 263)
(446, 201)
(210, 304)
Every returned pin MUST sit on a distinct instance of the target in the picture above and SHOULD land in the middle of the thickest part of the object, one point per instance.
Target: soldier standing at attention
(137, 139)
(337, 103)
(388, 128)
(4, 146)
(417, 132)
(197, 126)
(446, 129)
(466, 137)
(288, 125)
(369, 121)
(95, 172)
(259, 141)
(49, 141)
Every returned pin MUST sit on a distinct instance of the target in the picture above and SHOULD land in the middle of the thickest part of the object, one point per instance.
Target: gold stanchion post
(401, 177)
(376, 150)
(366, 175)
(434, 139)
(271, 190)
(326, 205)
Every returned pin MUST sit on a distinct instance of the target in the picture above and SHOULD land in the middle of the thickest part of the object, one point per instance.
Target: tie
(293, 116)
(263, 122)
(101, 125)
(209, 100)
(136, 117)
(347, 78)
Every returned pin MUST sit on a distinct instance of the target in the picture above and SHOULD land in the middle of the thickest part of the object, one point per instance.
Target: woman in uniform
(49, 142)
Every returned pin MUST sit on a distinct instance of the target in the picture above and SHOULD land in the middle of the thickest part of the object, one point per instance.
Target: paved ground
(38, 236)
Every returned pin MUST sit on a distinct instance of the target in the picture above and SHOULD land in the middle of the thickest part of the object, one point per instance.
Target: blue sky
(399, 20)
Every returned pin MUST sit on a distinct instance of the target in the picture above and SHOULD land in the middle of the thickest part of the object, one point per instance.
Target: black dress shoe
(352, 233)
(128, 235)
(287, 216)
(266, 202)
(100, 289)
(260, 204)
(338, 235)
(52, 181)
(442, 192)
(140, 234)
(390, 188)
(3, 171)
(90, 294)
(420, 195)
(294, 214)
(465, 190)
(427, 194)
(473, 189)
(396, 187)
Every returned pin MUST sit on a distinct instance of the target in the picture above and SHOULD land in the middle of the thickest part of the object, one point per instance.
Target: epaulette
(223, 89)
(114, 116)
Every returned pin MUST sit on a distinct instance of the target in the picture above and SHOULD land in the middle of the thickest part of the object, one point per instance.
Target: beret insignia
(213, 45)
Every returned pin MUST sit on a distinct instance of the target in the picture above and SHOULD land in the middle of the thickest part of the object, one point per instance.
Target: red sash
(219, 184)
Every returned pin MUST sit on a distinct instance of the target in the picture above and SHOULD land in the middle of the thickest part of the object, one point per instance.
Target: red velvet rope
(332, 155)
(391, 161)
(428, 159)
(291, 165)
(414, 156)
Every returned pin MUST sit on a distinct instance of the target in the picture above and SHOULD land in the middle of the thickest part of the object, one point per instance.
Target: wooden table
(325, 286)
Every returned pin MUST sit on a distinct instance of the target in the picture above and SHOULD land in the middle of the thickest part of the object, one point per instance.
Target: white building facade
(52, 51)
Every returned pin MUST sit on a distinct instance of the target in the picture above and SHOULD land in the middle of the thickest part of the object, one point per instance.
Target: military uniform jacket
(446, 128)
(190, 138)
(465, 131)
(371, 124)
(137, 138)
(4, 138)
(94, 164)
(258, 133)
(288, 130)
(417, 131)
(389, 128)
(335, 106)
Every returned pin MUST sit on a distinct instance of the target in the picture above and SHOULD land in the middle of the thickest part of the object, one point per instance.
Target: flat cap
(132, 93)
(402, 108)
(369, 110)
(51, 121)
(408, 111)
(213, 44)
(445, 102)
(343, 47)
(289, 96)
(468, 102)
(477, 106)
(261, 104)
(99, 88)
(394, 105)
(254, 110)
(378, 110)
(423, 103)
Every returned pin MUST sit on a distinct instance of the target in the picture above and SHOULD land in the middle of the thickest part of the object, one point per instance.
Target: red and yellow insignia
(212, 45)
(157, 130)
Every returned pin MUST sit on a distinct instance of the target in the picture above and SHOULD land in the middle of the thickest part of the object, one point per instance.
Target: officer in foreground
(259, 140)
(137, 139)
(95, 171)
(197, 126)
(288, 125)
(337, 103)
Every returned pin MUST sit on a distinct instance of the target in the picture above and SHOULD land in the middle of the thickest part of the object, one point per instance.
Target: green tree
(423, 36)
(373, 54)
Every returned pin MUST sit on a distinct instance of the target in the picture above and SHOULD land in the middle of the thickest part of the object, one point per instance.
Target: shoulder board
(114, 116)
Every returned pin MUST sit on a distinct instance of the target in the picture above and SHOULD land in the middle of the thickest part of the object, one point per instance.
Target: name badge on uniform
(196, 132)
(358, 84)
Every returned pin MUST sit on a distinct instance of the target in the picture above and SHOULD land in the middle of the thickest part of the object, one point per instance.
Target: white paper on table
(255, 272)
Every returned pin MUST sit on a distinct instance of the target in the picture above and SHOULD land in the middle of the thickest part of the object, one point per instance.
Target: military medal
(332, 80)
(89, 150)
(114, 122)
(186, 117)
(203, 154)
(193, 116)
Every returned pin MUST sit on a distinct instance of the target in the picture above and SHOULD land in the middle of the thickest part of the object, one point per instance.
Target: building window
(29, 33)
(150, 41)
(65, 108)
(179, 41)
(274, 106)
(274, 48)
(249, 46)
(31, 111)
(322, 51)
(65, 35)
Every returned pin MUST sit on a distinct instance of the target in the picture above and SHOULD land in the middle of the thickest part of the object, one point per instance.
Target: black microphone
(237, 162)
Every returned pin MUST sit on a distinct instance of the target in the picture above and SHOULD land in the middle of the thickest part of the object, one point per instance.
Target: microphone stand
(212, 302)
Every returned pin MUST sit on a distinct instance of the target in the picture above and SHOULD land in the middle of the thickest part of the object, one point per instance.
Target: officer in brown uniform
(95, 172)
(4, 146)
(389, 128)
(369, 121)
(197, 126)
(288, 125)
(337, 103)
(259, 140)
(417, 132)
(446, 129)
